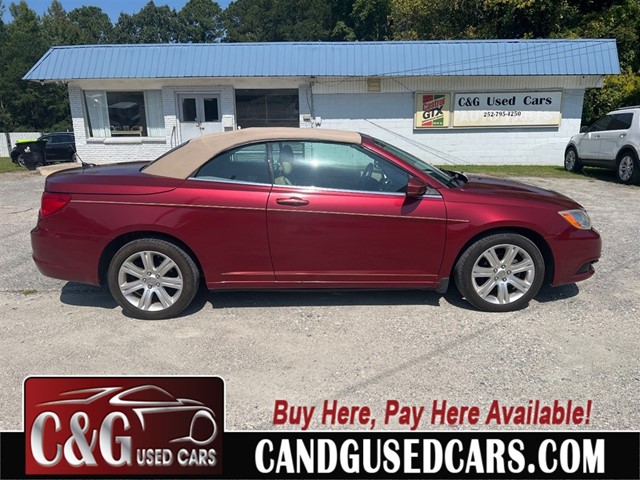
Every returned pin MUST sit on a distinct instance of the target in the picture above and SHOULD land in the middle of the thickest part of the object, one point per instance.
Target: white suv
(612, 142)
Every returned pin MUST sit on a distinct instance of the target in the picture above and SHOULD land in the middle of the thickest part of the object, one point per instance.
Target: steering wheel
(366, 175)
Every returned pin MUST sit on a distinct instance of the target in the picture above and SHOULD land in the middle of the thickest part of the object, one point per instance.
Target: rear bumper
(575, 252)
(66, 257)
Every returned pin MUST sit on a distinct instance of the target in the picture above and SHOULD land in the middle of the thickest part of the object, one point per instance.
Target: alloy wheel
(570, 160)
(625, 168)
(150, 281)
(503, 274)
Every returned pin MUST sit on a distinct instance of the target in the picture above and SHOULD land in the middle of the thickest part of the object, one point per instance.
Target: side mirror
(416, 188)
(583, 129)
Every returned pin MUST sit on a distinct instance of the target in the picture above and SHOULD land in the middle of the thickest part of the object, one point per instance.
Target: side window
(60, 139)
(600, 124)
(620, 121)
(244, 164)
(46, 139)
(336, 166)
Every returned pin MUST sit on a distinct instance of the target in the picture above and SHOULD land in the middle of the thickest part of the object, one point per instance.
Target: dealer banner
(507, 109)
(432, 110)
(174, 427)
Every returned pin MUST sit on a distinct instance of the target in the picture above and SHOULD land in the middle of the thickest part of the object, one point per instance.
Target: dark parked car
(288, 208)
(49, 148)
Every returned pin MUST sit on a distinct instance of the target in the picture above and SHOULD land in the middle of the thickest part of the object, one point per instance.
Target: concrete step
(56, 167)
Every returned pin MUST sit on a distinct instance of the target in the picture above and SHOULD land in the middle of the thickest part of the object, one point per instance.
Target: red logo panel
(124, 426)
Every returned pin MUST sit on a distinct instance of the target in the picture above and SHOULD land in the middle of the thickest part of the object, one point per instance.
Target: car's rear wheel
(500, 272)
(571, 161)
(152, 279)
(627, 170)
(20, 160)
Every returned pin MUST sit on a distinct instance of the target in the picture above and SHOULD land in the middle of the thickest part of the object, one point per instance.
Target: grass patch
(514, 170)
(6, 165)
(28, 291)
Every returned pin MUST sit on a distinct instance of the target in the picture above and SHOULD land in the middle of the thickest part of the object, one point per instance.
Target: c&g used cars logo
(123, 426)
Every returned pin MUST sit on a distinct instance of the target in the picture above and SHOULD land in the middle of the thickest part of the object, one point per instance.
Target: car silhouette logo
(158, 401)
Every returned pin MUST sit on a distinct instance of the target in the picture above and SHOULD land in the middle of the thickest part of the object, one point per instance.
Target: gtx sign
(431, 110)
(123, 426)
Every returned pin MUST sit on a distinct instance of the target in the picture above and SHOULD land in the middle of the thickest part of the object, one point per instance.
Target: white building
(450, 102)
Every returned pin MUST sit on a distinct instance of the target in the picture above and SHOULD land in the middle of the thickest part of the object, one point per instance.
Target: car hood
(575, 138)
(498, 187)
(115, 179)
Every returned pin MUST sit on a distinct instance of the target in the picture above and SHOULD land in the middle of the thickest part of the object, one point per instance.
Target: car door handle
(622, 135)
(293, 201)
(596, 136)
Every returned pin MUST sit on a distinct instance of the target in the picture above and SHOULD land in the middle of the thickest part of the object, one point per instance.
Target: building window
(267, 108)
(125, 114)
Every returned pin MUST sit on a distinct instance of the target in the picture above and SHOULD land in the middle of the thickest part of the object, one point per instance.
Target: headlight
(577, 218)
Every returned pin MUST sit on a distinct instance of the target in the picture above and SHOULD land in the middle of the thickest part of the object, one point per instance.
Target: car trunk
(116, 179)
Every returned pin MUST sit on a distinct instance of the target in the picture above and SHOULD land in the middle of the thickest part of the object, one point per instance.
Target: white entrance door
(199, 114)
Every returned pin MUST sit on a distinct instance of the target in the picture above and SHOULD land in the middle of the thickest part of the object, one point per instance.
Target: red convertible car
(287, 208)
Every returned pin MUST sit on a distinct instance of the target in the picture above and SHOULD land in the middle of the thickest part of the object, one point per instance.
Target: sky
(110, 7)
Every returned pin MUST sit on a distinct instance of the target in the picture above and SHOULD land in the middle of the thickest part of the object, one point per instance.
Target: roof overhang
(330, 59)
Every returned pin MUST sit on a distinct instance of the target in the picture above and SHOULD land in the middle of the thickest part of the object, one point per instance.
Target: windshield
(415, 162)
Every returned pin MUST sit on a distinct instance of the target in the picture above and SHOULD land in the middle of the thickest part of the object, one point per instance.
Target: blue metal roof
(344, 59)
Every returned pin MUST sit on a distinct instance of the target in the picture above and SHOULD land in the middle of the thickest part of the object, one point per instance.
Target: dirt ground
(577, 342)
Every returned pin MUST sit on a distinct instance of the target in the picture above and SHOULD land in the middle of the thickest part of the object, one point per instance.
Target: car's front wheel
(627, 170)
(571, 161)
(152, 279)
(500, 272)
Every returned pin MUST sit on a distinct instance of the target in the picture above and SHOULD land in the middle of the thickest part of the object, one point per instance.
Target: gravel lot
(578, 342)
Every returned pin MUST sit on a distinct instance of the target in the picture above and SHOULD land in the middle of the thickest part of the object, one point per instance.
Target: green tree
(617, 91)
(456, 19)
(5, 115)
(94, 25)
(27, 105)
(152, 24)
(362, 20)
(250, 21)
(57, 29)
(619, 20)
(278, 21)
(436, 19)
(201, 22)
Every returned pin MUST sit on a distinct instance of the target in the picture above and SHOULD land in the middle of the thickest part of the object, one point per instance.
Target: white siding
(460, 84)
(343, 103)
(389, 116)
(94, 150)
(4, 146)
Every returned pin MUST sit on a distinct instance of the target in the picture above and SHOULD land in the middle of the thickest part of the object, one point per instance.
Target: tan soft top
(183, 161)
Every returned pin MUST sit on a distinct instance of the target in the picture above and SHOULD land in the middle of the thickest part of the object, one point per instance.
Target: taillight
(52, 202)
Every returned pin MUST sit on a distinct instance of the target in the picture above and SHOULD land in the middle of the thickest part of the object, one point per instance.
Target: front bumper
(575, 252)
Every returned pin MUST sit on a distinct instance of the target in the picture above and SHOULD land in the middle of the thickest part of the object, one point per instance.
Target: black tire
(502, 295)
(572, 162)
(627, 168)
(20, 160)
(162, 299)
